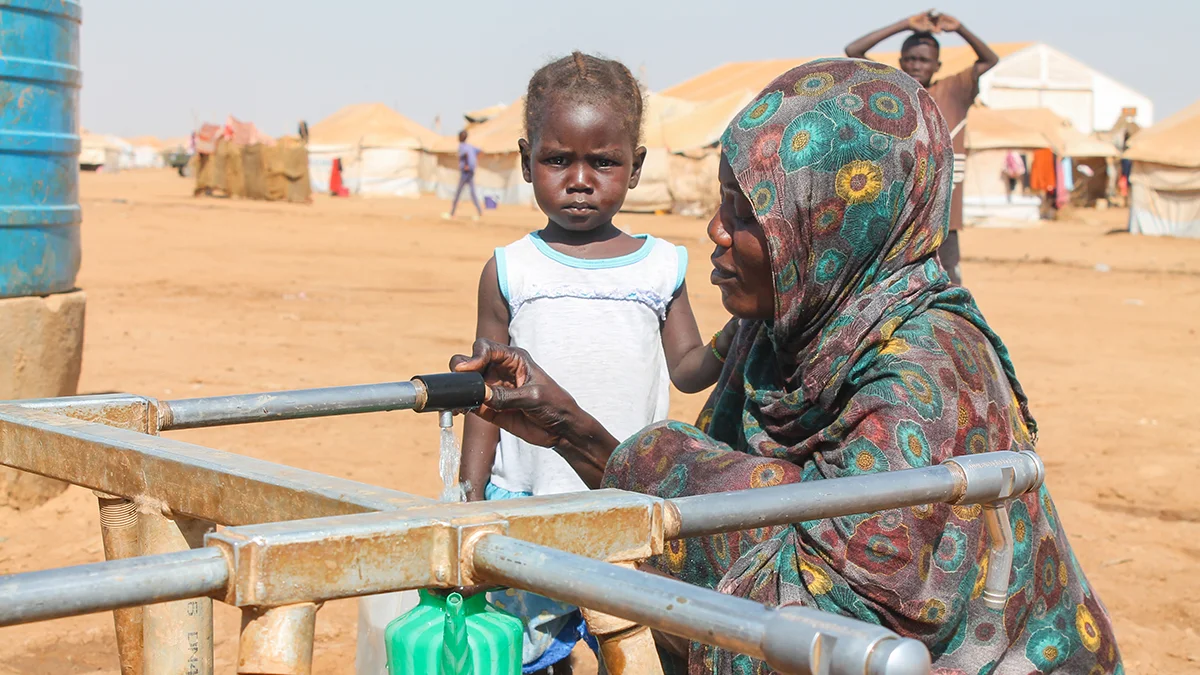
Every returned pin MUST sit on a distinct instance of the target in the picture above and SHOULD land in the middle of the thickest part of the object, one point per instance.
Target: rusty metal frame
(299, 538)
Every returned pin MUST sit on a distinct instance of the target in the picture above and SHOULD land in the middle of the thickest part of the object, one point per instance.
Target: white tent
(1165, 178)
(103, 152)
(146, 153)
(380, 149)
(1040, 76)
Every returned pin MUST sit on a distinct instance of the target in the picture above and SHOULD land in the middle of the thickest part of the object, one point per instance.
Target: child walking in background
(468, 162)
(604, 313)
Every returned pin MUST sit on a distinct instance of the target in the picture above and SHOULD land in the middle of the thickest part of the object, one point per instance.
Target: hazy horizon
(159, 68)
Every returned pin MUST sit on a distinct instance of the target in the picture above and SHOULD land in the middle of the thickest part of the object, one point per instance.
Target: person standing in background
(919, 59)
(468, 161)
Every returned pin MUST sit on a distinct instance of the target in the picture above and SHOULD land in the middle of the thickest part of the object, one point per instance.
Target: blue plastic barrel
(39, 146)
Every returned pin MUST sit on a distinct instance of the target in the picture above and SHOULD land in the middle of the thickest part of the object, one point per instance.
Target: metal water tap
(993, 482)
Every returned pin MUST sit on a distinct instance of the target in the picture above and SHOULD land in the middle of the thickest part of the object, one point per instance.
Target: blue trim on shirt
(502, 273)
(599, 263)
(683, 261)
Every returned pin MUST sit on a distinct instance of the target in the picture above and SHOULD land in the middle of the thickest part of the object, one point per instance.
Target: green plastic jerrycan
(454, 636)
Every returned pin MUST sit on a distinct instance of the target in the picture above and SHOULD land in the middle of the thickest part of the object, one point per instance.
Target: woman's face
(741, 261)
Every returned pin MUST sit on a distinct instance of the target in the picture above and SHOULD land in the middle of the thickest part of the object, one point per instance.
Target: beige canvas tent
(498, 175)
(754, 75)
(693, 137)
(1165, 178)
(380, 149)
(992, 134)
(98, 152)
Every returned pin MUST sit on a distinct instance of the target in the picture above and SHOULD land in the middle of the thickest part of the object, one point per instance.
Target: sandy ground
(193, 297)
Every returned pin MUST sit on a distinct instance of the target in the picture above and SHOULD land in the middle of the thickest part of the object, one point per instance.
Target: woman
(855, 355)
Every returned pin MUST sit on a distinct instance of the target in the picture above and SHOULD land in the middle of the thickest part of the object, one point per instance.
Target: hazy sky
(155, 66)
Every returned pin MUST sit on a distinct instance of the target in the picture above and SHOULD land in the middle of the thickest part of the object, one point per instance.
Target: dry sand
(194, 297)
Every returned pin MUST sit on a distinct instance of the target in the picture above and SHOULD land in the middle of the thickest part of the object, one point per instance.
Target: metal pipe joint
(993, 481)
(993, 476)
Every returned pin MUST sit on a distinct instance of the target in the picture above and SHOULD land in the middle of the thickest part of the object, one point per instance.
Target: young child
(604, 313)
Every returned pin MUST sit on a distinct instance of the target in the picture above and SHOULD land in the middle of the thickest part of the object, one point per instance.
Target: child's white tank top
(595, 326)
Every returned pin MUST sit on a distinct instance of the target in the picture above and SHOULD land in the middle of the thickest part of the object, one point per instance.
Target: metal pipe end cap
(901, 657)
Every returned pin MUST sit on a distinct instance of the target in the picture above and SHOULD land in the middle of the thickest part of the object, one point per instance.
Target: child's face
(581, 165)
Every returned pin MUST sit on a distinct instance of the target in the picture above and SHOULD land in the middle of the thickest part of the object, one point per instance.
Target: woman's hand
(524, 401)
(521, 398)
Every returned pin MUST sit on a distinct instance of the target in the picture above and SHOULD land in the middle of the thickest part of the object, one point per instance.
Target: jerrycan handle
(456, 652)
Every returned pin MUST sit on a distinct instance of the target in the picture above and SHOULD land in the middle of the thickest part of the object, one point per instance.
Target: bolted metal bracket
(422, 546)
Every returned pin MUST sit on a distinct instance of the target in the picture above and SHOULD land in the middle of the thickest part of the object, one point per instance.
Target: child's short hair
(587, 78)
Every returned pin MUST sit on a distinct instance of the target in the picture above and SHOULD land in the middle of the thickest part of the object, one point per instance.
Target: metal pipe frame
(219, 487)
(217, 411)
(333, 546)
(790, 639)
(115, 584)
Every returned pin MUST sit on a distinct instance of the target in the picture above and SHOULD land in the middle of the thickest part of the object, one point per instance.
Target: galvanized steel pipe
(791, 639)
(971, 479)
(216, 411)
(99, 587)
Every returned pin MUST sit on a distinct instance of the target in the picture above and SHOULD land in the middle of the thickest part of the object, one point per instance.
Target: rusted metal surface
(177, 637)
(421, 546)
(125, 411)
(321, 538)
(277, 641)
(216, 486)
(119, 530)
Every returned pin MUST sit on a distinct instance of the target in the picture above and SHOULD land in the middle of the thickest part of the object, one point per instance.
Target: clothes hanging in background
(1068, 174)
(1042, 175)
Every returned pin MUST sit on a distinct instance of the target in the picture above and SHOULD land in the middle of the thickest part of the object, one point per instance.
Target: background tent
(98, 152)
(754, 75)
(147, 152)
(992, 134)
(499, 172)
(380, 149)
(693, 137)
(653, 192)
(477, 117)
(1165, 179)
(1029, 75)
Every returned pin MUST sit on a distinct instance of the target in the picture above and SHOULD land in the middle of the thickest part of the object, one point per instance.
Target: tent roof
(485, 114)
(754, 75)
(496, 136)
(1064, 138)
(990, 129)
(1025, 128)
(501, 133)
(1174, 141)
(371, 125)
(146, 141)
(703, 125)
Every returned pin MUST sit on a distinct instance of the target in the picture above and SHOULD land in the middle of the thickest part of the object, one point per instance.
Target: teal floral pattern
(873, 362)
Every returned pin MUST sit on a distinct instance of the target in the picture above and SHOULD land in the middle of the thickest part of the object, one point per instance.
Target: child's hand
(725, 338)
